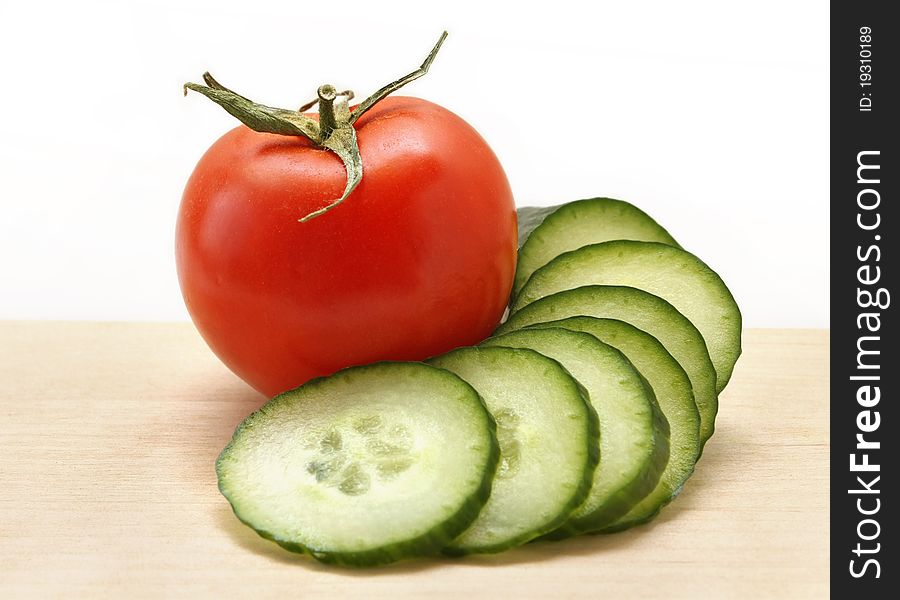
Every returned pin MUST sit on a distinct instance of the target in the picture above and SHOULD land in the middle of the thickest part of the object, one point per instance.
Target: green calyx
(334, 130)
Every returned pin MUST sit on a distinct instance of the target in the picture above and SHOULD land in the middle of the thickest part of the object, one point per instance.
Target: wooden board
(109, 432)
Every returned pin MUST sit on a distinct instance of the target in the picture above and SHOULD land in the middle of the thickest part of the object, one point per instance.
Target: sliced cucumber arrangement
(580, 223)
(586, 412)
(548, 434)
(634, 434)
(673, 391)
(646, 312)
(366, 467)
(668, 272)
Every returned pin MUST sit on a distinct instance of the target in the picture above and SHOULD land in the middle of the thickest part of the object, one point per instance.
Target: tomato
(418, 260)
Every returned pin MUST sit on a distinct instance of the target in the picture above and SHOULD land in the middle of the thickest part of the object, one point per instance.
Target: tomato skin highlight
(418, 260)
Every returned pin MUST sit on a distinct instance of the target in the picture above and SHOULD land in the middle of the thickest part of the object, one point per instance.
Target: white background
(712, 116)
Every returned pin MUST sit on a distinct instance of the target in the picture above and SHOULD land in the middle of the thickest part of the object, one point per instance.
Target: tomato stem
(334, 129)
(327, 120)
(396, 85)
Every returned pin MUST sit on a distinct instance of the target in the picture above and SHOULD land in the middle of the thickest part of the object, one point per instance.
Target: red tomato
(418, 260)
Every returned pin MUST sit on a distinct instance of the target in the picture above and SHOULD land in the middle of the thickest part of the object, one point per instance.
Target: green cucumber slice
(578, 224)
(634, 434)
(366, 467)
(646, 312)
(529, 218)
(673, 391)
(673, 274)
(548, 434)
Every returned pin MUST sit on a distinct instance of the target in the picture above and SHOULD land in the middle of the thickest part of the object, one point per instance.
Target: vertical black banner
(865, 367)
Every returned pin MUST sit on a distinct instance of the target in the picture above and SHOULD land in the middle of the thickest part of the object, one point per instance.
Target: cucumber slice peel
(673, 274)
(554, 231)
(548, 434)
(673, 392)
(634, 434)
(369, 466)
(646, 312)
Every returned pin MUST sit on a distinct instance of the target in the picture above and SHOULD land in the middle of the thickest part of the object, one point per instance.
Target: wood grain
(110, 430)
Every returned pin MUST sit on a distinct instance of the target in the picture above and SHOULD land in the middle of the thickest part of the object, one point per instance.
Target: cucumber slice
(672, 387)
(670, 273)
(548, 435)
(634, 434)
(366, 467)
(529, 218)
(581, 223)
(646, 312)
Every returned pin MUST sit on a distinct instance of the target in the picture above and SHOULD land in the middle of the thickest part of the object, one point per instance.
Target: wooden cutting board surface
(109, 432)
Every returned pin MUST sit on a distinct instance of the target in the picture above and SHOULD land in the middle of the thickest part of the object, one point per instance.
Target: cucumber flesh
(366, 467)
(673, 274)
(581, 223)
(646, 312)
(548, 434)
(673, 392)
(634, 434)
